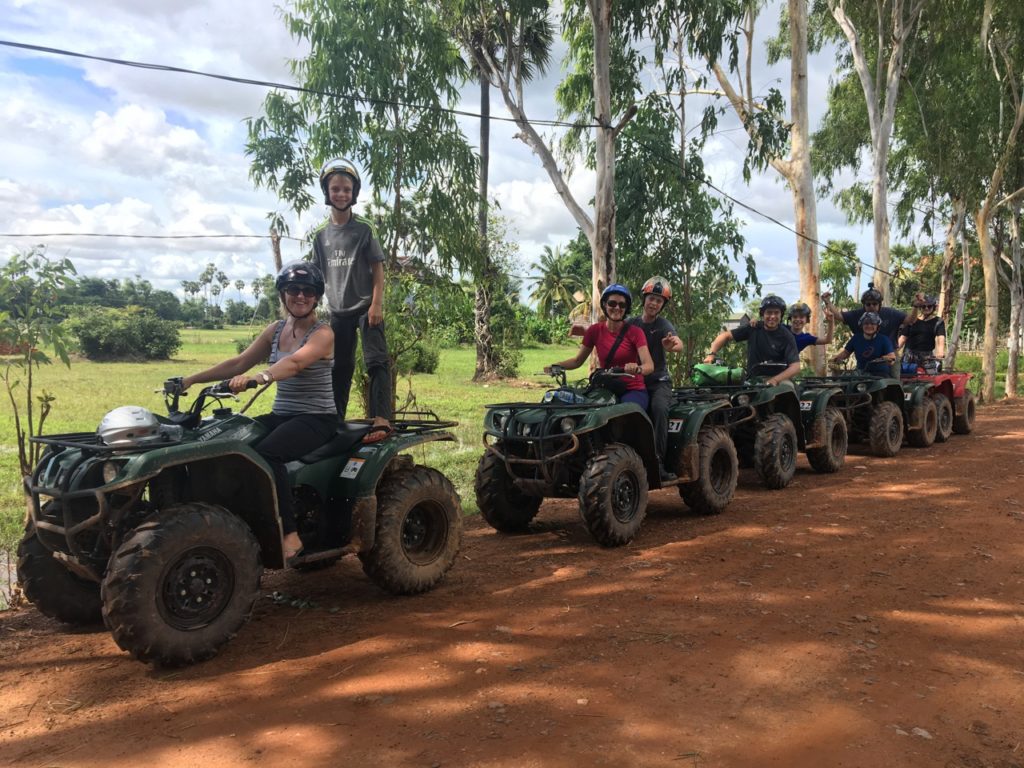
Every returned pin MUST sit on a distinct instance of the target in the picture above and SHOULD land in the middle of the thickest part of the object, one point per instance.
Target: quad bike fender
(914, 397)
(357, 474)
(684, 426)
(813, 403)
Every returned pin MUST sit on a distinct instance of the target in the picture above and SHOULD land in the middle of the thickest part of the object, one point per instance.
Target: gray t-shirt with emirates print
(346, 254)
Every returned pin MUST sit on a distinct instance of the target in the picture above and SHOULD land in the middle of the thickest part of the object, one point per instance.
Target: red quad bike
(954, 402)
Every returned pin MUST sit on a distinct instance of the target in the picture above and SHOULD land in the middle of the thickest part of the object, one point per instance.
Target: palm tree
(555, 289)
(489, 37)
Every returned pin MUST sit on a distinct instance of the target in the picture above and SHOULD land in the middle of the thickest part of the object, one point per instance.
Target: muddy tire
(925, 436)
(182, 584)
(712, 491)
(613, 495)
(831, 456)
(943, 418)
(501, 504)
(775, 449)
(885, 431)
(963, 422)
(419, 531)
(52, 588)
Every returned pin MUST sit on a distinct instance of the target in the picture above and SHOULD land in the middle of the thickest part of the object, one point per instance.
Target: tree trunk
(953, 339)
(1016, 301)
(991, 277)
(956, 224)
(485, 357)
(602, 240)
(275, 244)
(801, 181)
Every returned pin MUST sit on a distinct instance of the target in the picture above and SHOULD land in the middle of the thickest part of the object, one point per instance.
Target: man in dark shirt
(924, 336)
(661, 338)
(770, 345)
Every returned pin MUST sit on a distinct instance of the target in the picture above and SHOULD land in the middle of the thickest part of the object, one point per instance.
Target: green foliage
(392, 119)
(132, 333)
(837, 268)
(422, 357)
(30, 322)
(668, 225)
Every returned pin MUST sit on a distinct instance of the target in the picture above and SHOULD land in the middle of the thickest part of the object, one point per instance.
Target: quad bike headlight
(743, 400)
(499, 420)
(862, 387)
(567, 425)
(111, 469)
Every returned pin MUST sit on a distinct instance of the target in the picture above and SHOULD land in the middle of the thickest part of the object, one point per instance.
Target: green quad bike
(874, 409)
(770, 425)
(580, 442)
(161, 527)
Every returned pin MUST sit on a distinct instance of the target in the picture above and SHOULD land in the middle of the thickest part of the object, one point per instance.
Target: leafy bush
(132, 333)
(421, 358)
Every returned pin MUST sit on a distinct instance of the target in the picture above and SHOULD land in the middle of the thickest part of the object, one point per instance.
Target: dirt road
(869, 618)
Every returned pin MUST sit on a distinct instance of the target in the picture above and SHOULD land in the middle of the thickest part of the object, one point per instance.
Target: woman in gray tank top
(300, 350)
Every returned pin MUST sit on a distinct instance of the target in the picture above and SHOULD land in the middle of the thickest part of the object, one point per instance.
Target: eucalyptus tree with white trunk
(894, 22)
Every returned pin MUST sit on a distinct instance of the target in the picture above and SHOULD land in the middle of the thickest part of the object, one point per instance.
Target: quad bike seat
(348, 436)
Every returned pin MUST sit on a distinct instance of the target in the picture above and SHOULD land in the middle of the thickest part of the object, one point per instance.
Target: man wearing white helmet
(347, 251)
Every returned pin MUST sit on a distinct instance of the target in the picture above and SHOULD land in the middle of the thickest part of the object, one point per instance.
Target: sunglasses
(872, 304)
(307, 291)
(615, 304)
(927, 306)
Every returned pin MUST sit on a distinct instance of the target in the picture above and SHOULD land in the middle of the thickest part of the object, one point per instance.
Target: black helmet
(300, 273)
(340, 165)
(930, 301)
(869, 317)
(871, 294)
(620, 289)
(772, 302)
(800, 309)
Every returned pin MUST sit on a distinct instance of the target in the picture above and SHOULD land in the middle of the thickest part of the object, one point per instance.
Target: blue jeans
(638, 396)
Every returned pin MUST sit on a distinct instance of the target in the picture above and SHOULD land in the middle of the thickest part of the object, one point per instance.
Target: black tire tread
(133, 578)
(944, 417)
(53, 589)
(595, 493)
(767, 456)
(826, 459)
(963, 423)
(925, 436)
(700, 495)
(878, 430)
(501, 505)
(386, 563)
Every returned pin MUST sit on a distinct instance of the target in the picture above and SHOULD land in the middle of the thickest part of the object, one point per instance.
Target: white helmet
(129, 425)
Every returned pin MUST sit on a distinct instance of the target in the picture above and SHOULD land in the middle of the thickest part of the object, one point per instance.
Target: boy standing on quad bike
(770, 344)
(300, 350)
(923, 337)
(618, 345)
(661, 338)
(874, 350)
(352, 262)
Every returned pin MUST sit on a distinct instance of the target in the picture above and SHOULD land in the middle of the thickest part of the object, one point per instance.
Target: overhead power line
(280, 86)
(144, 237)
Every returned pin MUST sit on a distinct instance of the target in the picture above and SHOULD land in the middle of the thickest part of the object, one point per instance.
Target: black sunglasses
(306, 290)
(615, 304)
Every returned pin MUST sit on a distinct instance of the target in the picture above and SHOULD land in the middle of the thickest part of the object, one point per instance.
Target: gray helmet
(129, 425)
(869, 317)
(772, 302)
(871, 294)
(800, 309)
(930, 301)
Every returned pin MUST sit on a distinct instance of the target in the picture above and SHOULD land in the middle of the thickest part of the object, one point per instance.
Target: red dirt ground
(868, 618)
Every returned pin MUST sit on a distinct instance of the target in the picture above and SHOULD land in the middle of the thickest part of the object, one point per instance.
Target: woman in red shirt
(631, 354)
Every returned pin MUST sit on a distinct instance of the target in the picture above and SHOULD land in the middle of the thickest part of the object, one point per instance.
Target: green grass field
(87, 390)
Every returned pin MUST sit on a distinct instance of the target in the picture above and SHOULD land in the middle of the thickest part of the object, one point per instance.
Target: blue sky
(94, 147)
